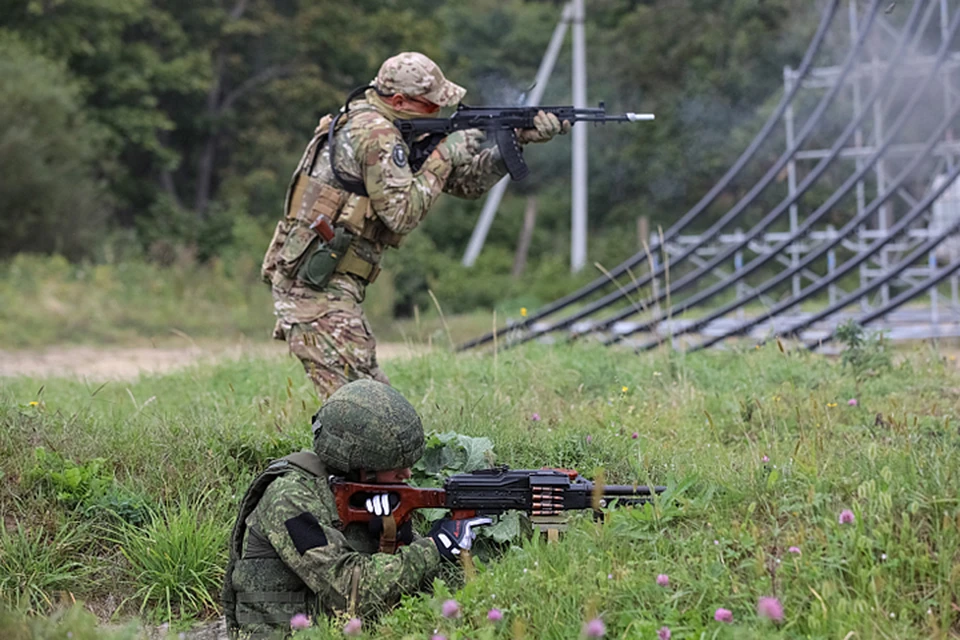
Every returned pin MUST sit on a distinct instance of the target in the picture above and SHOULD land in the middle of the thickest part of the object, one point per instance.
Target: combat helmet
(368, 425)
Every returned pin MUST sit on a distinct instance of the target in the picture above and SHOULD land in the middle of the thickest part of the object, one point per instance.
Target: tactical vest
(259, 613)
(297, 252)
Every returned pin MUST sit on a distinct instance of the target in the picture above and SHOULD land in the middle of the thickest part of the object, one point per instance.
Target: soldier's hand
(452, 536)
(545, 127)
(382, 505)
(460, 146)
(456, 149)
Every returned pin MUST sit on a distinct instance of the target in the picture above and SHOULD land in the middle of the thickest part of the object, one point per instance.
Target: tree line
(164, 122)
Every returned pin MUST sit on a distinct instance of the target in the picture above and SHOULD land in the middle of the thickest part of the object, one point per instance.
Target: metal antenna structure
(860, 229)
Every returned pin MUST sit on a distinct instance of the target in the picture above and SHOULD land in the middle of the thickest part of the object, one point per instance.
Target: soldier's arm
(399, 197)
(473, 178)
(298, 527)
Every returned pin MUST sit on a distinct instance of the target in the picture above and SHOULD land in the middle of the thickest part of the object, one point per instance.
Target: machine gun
(544, 494)
(422, 135)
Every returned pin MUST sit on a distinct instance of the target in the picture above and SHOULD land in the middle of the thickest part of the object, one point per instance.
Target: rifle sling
(353, 186)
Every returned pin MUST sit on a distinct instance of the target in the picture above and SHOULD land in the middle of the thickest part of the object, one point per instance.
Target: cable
(848, 266)
(820, 212)
(737, 209)
(675, 229)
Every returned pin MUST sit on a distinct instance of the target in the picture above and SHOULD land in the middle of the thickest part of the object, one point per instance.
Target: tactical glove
(545, 127)
(452, 536)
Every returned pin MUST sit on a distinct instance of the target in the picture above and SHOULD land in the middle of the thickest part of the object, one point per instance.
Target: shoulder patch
(305, 532)
(399, 155)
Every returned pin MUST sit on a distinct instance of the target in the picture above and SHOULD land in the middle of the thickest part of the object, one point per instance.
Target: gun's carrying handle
(511, 153)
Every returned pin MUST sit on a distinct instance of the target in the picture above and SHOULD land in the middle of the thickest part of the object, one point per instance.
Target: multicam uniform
(324, 325)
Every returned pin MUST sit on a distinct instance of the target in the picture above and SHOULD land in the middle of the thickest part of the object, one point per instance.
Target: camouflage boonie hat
(366, 424)
(416, 76)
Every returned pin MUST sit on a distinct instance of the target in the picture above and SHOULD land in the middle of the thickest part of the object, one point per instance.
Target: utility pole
(578, 210)
(479, 234)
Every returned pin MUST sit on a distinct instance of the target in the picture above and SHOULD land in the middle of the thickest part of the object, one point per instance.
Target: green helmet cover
(368, 425)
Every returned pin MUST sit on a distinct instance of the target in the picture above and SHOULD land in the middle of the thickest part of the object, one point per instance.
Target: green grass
(175, 562)
(703, 425)
(37, 568)
(47, 301)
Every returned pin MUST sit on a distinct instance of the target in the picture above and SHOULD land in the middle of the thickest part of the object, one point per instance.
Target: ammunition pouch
(278, 596)
(355, 264)
(359, 218)
(318, 267)
(297, 253)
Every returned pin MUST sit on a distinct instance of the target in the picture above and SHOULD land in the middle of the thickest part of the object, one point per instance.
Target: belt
(353, 264)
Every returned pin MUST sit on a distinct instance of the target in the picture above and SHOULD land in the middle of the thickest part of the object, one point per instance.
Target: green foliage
(50, 196)
(864, 352)
(175, 562)
(181, 123)
(450, 453)
(72, 483)
(89, 487)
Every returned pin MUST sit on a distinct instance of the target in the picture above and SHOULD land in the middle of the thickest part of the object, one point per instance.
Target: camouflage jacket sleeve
(472, 179)
(296, 515)
(398, 196)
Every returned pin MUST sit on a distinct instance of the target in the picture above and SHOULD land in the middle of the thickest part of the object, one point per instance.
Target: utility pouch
(354, 214)
(323, 261)
(271, 258)
(295, 246)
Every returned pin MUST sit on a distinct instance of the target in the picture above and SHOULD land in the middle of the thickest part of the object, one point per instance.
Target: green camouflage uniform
(327, 329)
(296, 517)
(296, 557)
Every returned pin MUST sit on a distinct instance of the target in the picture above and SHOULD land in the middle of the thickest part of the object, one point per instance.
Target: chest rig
(329, 225)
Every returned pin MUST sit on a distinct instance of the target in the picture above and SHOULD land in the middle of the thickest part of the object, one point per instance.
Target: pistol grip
(511, 153)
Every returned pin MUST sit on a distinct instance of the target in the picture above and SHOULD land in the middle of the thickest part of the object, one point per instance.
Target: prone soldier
(290, 554)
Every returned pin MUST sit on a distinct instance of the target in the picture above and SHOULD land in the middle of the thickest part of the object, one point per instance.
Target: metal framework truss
(862, 252)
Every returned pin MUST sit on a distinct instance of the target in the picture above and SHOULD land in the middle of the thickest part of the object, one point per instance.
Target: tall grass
(39, 569)
(762, 449)
(175, 562)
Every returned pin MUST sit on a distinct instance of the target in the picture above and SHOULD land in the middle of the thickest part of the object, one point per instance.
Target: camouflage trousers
(335, 348)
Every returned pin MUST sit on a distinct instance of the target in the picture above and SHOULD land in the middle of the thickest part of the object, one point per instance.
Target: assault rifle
(422, 135)
(541, 493)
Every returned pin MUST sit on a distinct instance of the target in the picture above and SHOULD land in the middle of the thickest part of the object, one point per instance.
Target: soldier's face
(393, 476)
(420, 106)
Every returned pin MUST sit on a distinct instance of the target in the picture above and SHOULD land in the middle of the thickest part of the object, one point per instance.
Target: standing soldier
(340, 215)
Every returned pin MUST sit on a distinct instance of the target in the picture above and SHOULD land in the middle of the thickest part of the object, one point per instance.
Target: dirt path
(126, 363)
